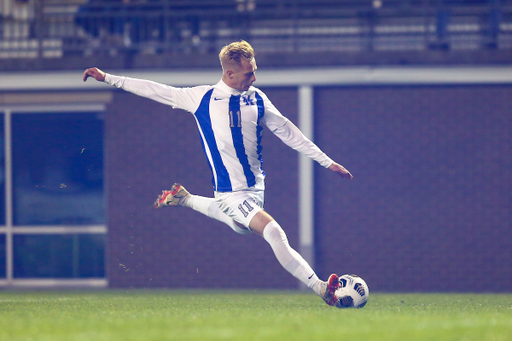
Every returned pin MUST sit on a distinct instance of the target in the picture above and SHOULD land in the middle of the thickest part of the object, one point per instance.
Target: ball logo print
(346, 302)
(359, 288)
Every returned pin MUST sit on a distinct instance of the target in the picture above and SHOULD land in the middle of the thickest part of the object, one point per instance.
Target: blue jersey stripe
(259, 128)
(235, 115)
(203, 118)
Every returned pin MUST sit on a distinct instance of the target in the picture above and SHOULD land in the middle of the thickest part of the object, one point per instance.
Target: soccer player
(229, 117)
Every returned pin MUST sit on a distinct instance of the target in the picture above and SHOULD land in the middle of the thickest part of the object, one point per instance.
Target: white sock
(290, 259)
(209, 208)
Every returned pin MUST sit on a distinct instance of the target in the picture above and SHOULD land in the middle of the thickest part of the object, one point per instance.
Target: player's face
(243, 77)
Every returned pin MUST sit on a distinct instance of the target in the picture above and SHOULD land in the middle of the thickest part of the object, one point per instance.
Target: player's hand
(95, 73)
(342, 171)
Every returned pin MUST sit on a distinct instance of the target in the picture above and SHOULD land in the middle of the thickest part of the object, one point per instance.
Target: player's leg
(179, 196)
(291, 260)
(244, 209)
(264, 225)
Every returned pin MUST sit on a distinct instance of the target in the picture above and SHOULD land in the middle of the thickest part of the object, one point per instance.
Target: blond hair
(232, 54)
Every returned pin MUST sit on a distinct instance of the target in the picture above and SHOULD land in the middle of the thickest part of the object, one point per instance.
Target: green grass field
(248, 315)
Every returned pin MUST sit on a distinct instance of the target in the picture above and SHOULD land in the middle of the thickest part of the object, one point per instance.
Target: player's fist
(95, 73)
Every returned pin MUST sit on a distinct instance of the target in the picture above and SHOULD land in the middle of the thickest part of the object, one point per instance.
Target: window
(53, 225)
(58, 255)
(57, 164)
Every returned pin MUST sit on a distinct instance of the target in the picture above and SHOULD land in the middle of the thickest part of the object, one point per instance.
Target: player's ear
(230, 73)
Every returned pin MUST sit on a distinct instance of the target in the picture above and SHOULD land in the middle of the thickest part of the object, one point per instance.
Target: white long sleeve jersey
(229, 124)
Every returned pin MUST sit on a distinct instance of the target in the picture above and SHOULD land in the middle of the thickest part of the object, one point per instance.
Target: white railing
(57, 28)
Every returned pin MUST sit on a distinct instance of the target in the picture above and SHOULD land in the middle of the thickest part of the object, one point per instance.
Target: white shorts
(242, 206)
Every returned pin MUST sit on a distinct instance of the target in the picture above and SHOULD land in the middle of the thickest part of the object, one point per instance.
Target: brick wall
(428, 209)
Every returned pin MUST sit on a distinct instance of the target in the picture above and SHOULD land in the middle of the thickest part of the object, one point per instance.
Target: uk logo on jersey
(248, 100)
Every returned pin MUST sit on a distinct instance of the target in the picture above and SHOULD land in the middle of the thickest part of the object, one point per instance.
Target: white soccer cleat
(330, 288)
(177, 196)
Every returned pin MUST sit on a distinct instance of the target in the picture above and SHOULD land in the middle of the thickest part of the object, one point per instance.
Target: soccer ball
(352, 292)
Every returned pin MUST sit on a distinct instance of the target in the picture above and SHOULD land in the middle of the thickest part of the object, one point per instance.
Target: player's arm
(182, 98)
(145, 88)
(293, 137)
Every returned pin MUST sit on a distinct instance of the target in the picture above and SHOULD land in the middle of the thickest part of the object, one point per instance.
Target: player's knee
(273, 233)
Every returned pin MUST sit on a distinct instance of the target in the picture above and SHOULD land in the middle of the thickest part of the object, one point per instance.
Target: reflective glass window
(57, 169)
(59, 256)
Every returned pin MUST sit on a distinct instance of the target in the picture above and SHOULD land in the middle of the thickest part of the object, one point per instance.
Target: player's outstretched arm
(95, 73)
(342, 171)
